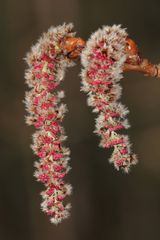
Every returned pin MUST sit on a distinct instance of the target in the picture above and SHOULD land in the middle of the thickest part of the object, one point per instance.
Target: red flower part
(45, 106)
(43, 178)
(114, 114)
(38, 66)
(50, 203)
(50, 213)
(51, 65)
(120, 162)
(51, 116)
(39, 122)
(115, 128)
(47, 140)
(41, 154)
(46, 58)
(36, 100)
(124, 151)
(61, 175)
(45, 75)
(57, 156)
(61, 197)
(114, 142)
(58, 168)
(38, 75)
(91, 73)
(50, 191)
(51, 78)
(45, 167)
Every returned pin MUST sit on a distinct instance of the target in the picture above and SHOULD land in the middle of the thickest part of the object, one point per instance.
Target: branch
(72, 48)
(145, 67)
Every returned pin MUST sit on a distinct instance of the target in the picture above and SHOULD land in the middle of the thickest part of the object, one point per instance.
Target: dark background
(106, 204)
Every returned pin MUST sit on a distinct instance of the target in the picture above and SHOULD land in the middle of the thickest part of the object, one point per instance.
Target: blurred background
(106, 204)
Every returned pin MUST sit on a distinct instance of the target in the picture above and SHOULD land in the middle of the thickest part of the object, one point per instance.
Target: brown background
(106, 204)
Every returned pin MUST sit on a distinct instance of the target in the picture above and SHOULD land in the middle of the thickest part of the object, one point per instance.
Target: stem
(144, 67)
(73, 47)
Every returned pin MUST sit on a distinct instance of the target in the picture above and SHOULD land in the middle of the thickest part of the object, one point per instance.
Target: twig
(144, 67)
(73, 47)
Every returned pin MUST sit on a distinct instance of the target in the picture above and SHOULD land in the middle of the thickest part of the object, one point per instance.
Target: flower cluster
(46, 69)
(103, 59)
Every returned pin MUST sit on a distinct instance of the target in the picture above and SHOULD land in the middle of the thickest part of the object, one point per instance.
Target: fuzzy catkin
(102, 60)
(46, 69)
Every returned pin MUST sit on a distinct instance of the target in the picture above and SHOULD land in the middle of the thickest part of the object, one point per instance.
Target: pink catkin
(102, 59)
(46, 65)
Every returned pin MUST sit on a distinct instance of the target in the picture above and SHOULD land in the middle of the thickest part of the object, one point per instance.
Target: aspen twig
(73, 47)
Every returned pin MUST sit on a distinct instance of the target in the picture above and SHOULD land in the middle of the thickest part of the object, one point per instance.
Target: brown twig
(144, 67)
(73, 46)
